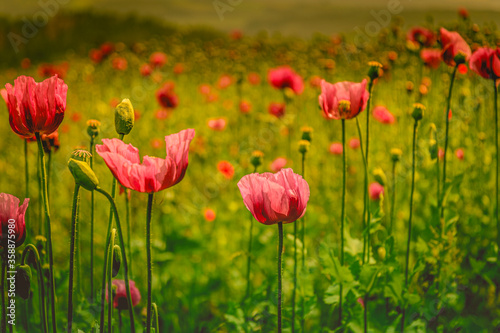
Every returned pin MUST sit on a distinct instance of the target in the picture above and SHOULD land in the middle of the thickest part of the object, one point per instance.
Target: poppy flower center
(344, 107)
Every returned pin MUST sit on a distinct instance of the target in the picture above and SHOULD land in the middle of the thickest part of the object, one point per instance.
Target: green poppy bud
(418, 111)
(83, 174)
(375, 70)
(23, 281)
(124, 117)
(396, 154)
(93, 127)
(117, 259)
(379, 176)
(307, 133)
(304, 146)
(433, 149)
(256, 158)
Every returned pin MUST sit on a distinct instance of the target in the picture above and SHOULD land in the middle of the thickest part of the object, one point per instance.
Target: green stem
(49, 232)
(448, 105)
(365, 313)
(249, 257)
(302, 239)
(407, 261)
(342, 215)
(26, 184)
(110, 274)
(393, 199)
(124, 261)
(498, 168)
(120, 323)
(280, 272)
(150, 261)
(72, 250)
(155, 317)
(49, 171)
(127, 220)
(92, 203)
(294, 274)
(368, 217)
(2, 289)
(41, 291)
(364, 186)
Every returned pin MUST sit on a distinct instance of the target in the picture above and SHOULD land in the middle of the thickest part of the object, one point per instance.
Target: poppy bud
(304, 146)
(379, 176)
(40, 242)
(81, 155)
(418, 111)
(23, 281)
(409, 86)
(117, 259)
(460, 58)
(256, 158)
(93, 127)
(433, 149)
(375, 70)
(396, 154)
(83, 174)
(124, 117)
(307, 133)
(381, 252)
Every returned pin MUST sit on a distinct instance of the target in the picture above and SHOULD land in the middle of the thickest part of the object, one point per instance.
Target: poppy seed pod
(124, 117)
(460, 58)
(375, 70)
(433, 149)
(81, 155)
(379, 176)
(396, 154)
(418, 111)
(93, 128)
(83, 174)
(307, 133)
(117, 259)
(304, 146)
(23, 281)
(256, 158)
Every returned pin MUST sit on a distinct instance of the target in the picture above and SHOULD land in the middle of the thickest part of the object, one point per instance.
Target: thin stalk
(448, 105)
(498, 168)
(41, 291)
(365, 313)
(294, 274)
(92, 204)
(45, 197)
(393, 199)
(280, 272)
(72, 250)
(120, 322)
(129, 230)
(27, 185)
(365, 186)
(110, 274)
(155, 318)
(342, 215)
(2, 289)
(302, 239)
(124, 261)
(368, 217)
(249, 258)
(407, 261)
(150, 261)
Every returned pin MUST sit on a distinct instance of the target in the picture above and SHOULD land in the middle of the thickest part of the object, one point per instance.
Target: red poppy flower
(11, 211)
(226, 168)
(485, 62)
(285, 77)
(343, 100)
(431, 57)
(452, 45)
(120, 297)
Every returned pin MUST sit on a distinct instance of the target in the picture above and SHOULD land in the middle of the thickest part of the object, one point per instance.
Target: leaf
(367, 277)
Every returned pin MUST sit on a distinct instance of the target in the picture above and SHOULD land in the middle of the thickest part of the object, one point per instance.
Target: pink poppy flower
(382, 115)
(153, 174)
(36, 107)
(343, 100)
(285, 77)
(10, 210)
(431, 57)
(336, 148)
(354, 143)
(277, 109)
(119, 63)
(485, 62)
(375, 190)
(453, 44)
(120, 297)
(217, 124)
(273, 198)
(278, 164)
(459, 153)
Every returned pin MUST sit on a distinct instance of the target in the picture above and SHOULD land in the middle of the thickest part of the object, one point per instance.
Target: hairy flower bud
(23, 281)
(418, 111)
(396, 154)
(124, 117)
(83, 174)
(256, 158)
(304, 146)
(93, 128)
(375, 70)
(307, 133)
(117, 259)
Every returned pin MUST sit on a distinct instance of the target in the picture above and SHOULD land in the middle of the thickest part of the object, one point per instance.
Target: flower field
(158, 178)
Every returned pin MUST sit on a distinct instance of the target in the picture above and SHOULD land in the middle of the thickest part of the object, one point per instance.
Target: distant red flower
(277, 109)
(245, 106)
(209, 214)
(382, 115)
(431, 57)
(96, 56)
(76, 117)
(485, 62)
(336, 148)
(36, 107)
(452, 45)
(119, 63)
(462, 69)
(343, 100)
(354, 143)
(217, 124)
(226, 169)
(205, 89)
(278, 164)
(375, 190)
(463, 13)
(25, 63)
(156, 143)
(48, 70)
(285, 77)
(225, 81)
(146, 70)
(315, 81)
(120, 296)
(107, 48)
(166, 96)
(459, 153)
(162, 114)
(441, 154)
(236, 34)
(158, 59)
(178, 68)
(253, 78)
(422, 36)
(114, 102)
(10, 209)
